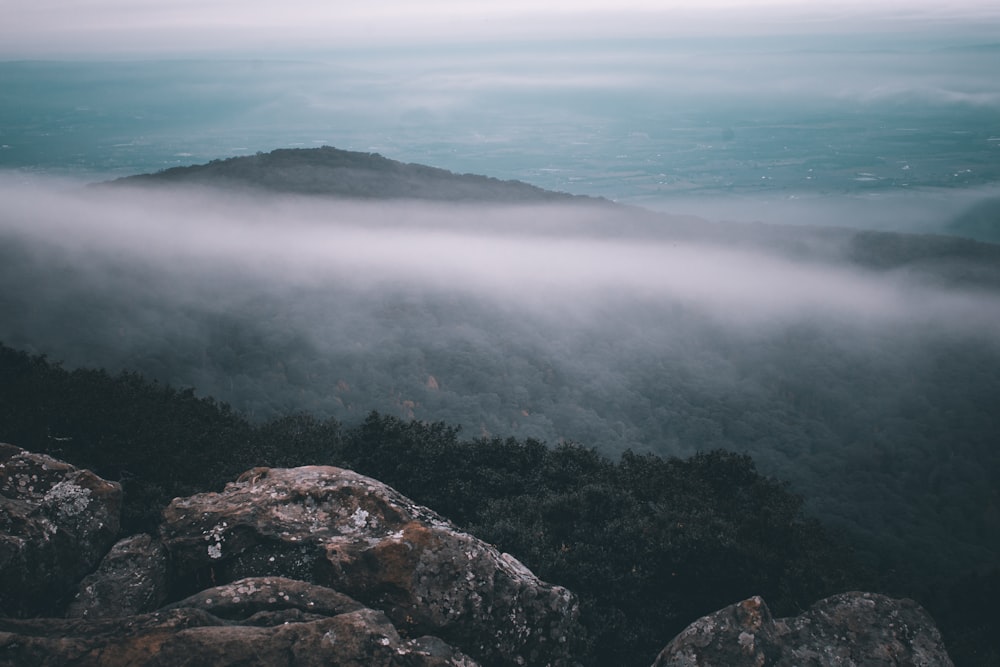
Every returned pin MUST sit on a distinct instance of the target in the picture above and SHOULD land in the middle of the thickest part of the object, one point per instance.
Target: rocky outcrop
(189, 635)
(847, 629)
(338, 529)
(271, 564)
(320, 565)
(56, 522)
(131, 579)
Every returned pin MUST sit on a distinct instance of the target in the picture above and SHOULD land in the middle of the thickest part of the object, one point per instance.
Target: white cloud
(536, 258)
(40, 27)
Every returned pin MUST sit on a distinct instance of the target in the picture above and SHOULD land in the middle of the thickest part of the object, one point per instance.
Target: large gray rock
(351, 533)
(131, 579)
(264, 597)
(287, 632)
(56, 523)
(319, 565)
(862, 629)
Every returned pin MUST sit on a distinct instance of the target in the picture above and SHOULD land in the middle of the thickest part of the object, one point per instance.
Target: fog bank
(867, 380)
(546, 259)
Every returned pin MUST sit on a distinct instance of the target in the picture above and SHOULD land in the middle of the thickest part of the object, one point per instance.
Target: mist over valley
(860, 366)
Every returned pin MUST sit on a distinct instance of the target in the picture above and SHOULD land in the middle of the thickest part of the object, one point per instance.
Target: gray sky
(52, 28)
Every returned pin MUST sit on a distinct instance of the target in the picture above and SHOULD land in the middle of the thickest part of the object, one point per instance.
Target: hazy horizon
(57, 28)
(772, 110)
(851, 130)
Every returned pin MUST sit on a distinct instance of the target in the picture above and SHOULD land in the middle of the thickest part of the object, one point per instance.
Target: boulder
(186, 635)
(339, 529)
(846, 629)
(320, 565)
(260, 597)
(131, 579)
(56, 523)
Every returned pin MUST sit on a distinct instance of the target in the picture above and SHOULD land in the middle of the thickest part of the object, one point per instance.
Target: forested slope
(333, 172)
(648, 543)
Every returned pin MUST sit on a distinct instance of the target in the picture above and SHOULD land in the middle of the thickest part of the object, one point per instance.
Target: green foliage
(967, 612)
(648, 543)
(157, 441)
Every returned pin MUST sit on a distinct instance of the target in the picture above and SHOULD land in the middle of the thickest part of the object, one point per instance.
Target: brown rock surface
(319, 565)
(187, 636)
(843, 630)
(261, 597)
(131, 579)
(336, 528)
(56, 523)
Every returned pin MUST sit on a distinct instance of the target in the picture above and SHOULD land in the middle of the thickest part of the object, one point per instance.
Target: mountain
(336, 173)
(333, 172)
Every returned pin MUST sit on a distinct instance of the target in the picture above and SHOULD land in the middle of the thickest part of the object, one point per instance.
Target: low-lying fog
(554, 259)
(555, 322)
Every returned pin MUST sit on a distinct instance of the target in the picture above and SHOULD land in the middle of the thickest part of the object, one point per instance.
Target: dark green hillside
(946, 260)
(981, 221)
(334, 172)
(648, 543)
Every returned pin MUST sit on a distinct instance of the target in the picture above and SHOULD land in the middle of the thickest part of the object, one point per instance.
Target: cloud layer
(108, 26)
(545, 259)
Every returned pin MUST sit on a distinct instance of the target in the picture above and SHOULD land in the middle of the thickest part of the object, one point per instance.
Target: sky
(53, 28)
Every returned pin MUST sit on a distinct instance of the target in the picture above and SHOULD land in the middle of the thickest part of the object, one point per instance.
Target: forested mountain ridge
(334, 172)
(981, 221)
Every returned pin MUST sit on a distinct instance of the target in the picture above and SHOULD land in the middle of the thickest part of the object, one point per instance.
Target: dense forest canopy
(649, 544)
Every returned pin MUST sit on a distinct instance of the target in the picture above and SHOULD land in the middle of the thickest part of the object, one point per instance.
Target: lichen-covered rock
(189, 636)
(131, 579)
(56, 523)
(336, 528)
(843, 630)
(260, 597)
